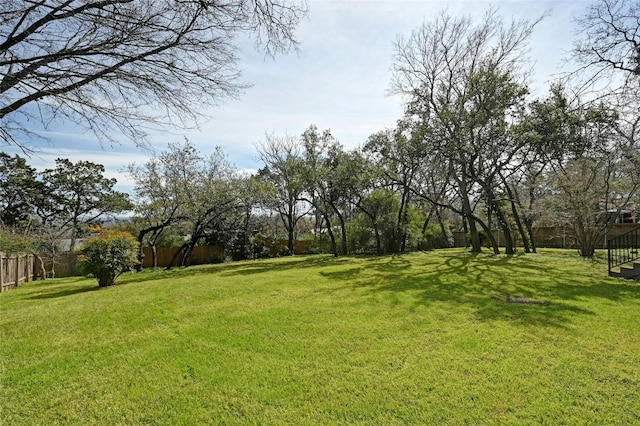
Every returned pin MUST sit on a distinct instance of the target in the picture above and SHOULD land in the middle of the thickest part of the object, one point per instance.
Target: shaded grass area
(444, 337)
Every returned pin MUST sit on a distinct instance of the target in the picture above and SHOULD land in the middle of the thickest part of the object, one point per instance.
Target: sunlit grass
(436, 338)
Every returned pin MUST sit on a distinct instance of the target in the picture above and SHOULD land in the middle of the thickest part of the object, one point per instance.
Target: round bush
(109, 254)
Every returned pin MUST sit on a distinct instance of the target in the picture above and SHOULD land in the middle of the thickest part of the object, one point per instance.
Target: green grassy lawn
(430, 338)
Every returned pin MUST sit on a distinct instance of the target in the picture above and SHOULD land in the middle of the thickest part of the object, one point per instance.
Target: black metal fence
(623, 249)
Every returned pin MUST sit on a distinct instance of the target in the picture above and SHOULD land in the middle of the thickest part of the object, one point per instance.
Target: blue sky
(338, 80)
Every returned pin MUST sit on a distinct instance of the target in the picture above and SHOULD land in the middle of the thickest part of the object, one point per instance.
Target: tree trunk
(405, 227)
(156, 231)
(186, 258)
(528, 223)
(376, 230)
(523, 235)
(288, 219)
(492, 238)
(40, 263)
(105, 277)
(175, 255)
(334, 246)
(476, 246)
(141, 235)
(587, 238)
(516, 217)
(467, 211)
(506, 231)
(443, 230)
(401, 224)
(291, 237)
(343, 231)
(154, 256)
(74, 234)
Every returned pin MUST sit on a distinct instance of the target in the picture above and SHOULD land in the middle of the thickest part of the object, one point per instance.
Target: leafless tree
(284, 170)
(610, 38)
(127, 64)
(608, 56)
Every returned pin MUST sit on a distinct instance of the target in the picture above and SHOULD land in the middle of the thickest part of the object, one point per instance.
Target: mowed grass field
(444, 337)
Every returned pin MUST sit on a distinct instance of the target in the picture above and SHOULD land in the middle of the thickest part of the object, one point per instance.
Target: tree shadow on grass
(64, 292)
(501, 288)
(70, 288)
(230, 269)
(478, 281)
(283, 264)
(46, 289)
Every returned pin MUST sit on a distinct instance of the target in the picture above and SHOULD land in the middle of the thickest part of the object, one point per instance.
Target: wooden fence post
(17, 281)
(1, 272)
(29, 268)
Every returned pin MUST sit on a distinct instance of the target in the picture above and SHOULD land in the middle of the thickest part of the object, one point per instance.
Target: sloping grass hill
(444, 337)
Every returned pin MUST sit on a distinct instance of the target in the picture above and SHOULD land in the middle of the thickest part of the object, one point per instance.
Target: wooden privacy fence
(200, 255)
(61, 265)
(556, 236)
(15, 269)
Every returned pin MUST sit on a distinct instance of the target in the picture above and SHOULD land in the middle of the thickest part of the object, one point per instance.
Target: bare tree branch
(128, 64)
(609, 43)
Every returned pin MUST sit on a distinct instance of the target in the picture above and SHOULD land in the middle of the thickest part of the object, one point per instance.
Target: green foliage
(41, 208)
(592, 169)
(361, 237)
(413, 222)
(19, 190)
(433, 238)
(247, 245)
(107, 255)
(168, 238)
(79, 193)
(11, 242)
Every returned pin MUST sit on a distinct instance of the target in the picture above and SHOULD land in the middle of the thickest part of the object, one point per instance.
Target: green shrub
(109, 254)
(14, 242)
(433, 238)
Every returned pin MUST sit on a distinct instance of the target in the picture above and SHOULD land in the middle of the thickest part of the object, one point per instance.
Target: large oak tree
(438, 69)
